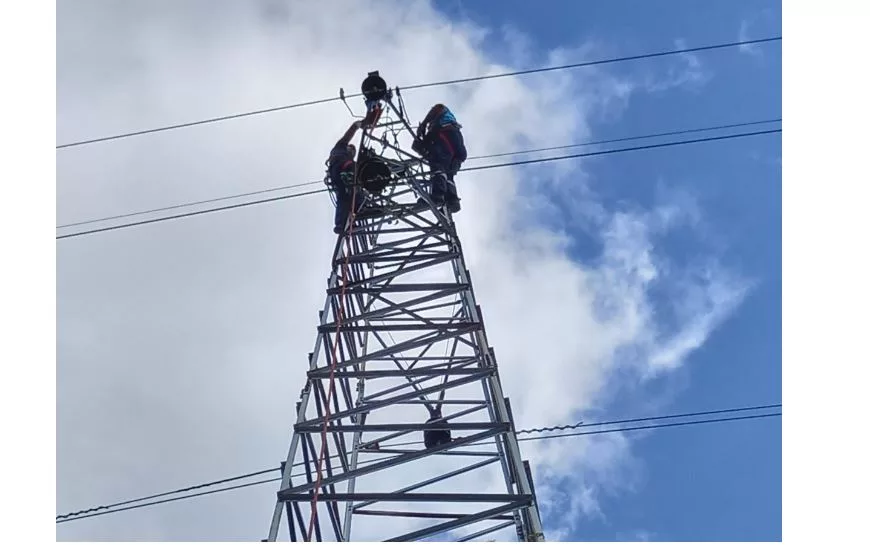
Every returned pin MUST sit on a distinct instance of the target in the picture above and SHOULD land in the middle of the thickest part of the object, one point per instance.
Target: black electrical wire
(629, 138)
(476, 157)
(648, 418)
(180, 490)
(598, 62)
(201, 122)
(484, 167)
(185, 205)
(621, 150)
(653, 426)
(189, 214)
(109, 509)
(614, 422)
(117, 507)
(58, 520)
(424, 85)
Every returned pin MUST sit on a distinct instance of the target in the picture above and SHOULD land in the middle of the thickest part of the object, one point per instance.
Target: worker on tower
(440, 140)
(341, 172)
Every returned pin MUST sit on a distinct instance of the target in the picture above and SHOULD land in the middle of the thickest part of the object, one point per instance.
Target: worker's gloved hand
(454, 167)
(418, 146)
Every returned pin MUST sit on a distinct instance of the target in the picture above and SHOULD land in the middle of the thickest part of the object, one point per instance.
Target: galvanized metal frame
(410, 340)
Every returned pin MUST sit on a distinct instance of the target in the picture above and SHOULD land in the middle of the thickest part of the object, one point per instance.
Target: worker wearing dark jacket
(440, 140)
(341, 173)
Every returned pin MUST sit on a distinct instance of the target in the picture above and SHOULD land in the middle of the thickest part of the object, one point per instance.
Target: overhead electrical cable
(188, 204)
(653, 426)
(189, 214)
(195, 123)
(117, 507)
(622, 150)
(469, 169)
(126, 505)
(579, 425)
(649, 418)
(425, 85)
(629, 138)
(162, 494)
(472, 158)
(58, 520)
(596, 63)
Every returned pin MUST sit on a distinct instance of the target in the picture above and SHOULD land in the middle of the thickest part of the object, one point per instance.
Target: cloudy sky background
(181, 345)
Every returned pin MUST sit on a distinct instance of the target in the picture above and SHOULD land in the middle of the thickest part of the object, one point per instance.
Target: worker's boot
(452, 198)
(438, 192)
(439, 188)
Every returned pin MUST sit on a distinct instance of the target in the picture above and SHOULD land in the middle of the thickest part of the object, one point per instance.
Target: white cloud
(705, 306)
(635, 535)
(745, 34)
(181, 345)
(686, 70)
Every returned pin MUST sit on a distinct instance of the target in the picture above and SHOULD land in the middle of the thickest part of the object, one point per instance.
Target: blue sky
(718, 482)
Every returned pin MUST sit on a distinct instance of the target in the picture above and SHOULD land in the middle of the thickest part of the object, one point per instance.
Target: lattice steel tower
(402, 432)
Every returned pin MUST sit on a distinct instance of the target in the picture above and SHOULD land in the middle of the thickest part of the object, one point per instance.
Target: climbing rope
(338, 323)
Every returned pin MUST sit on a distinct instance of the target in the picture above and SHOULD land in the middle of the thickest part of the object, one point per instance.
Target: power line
(621, 150)
(425, 85)
(625, 421)
(654, 426)
(648, 418)
(180, 490)
(58, 520)
(476, 157)
(202, 122)
(630, 138)
(189, 214)
(193, 203)
(117, 507)
(598, 62)
(484, 167)
(109, 509)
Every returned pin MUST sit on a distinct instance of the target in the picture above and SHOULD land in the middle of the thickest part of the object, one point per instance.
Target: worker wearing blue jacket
(439, 139)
